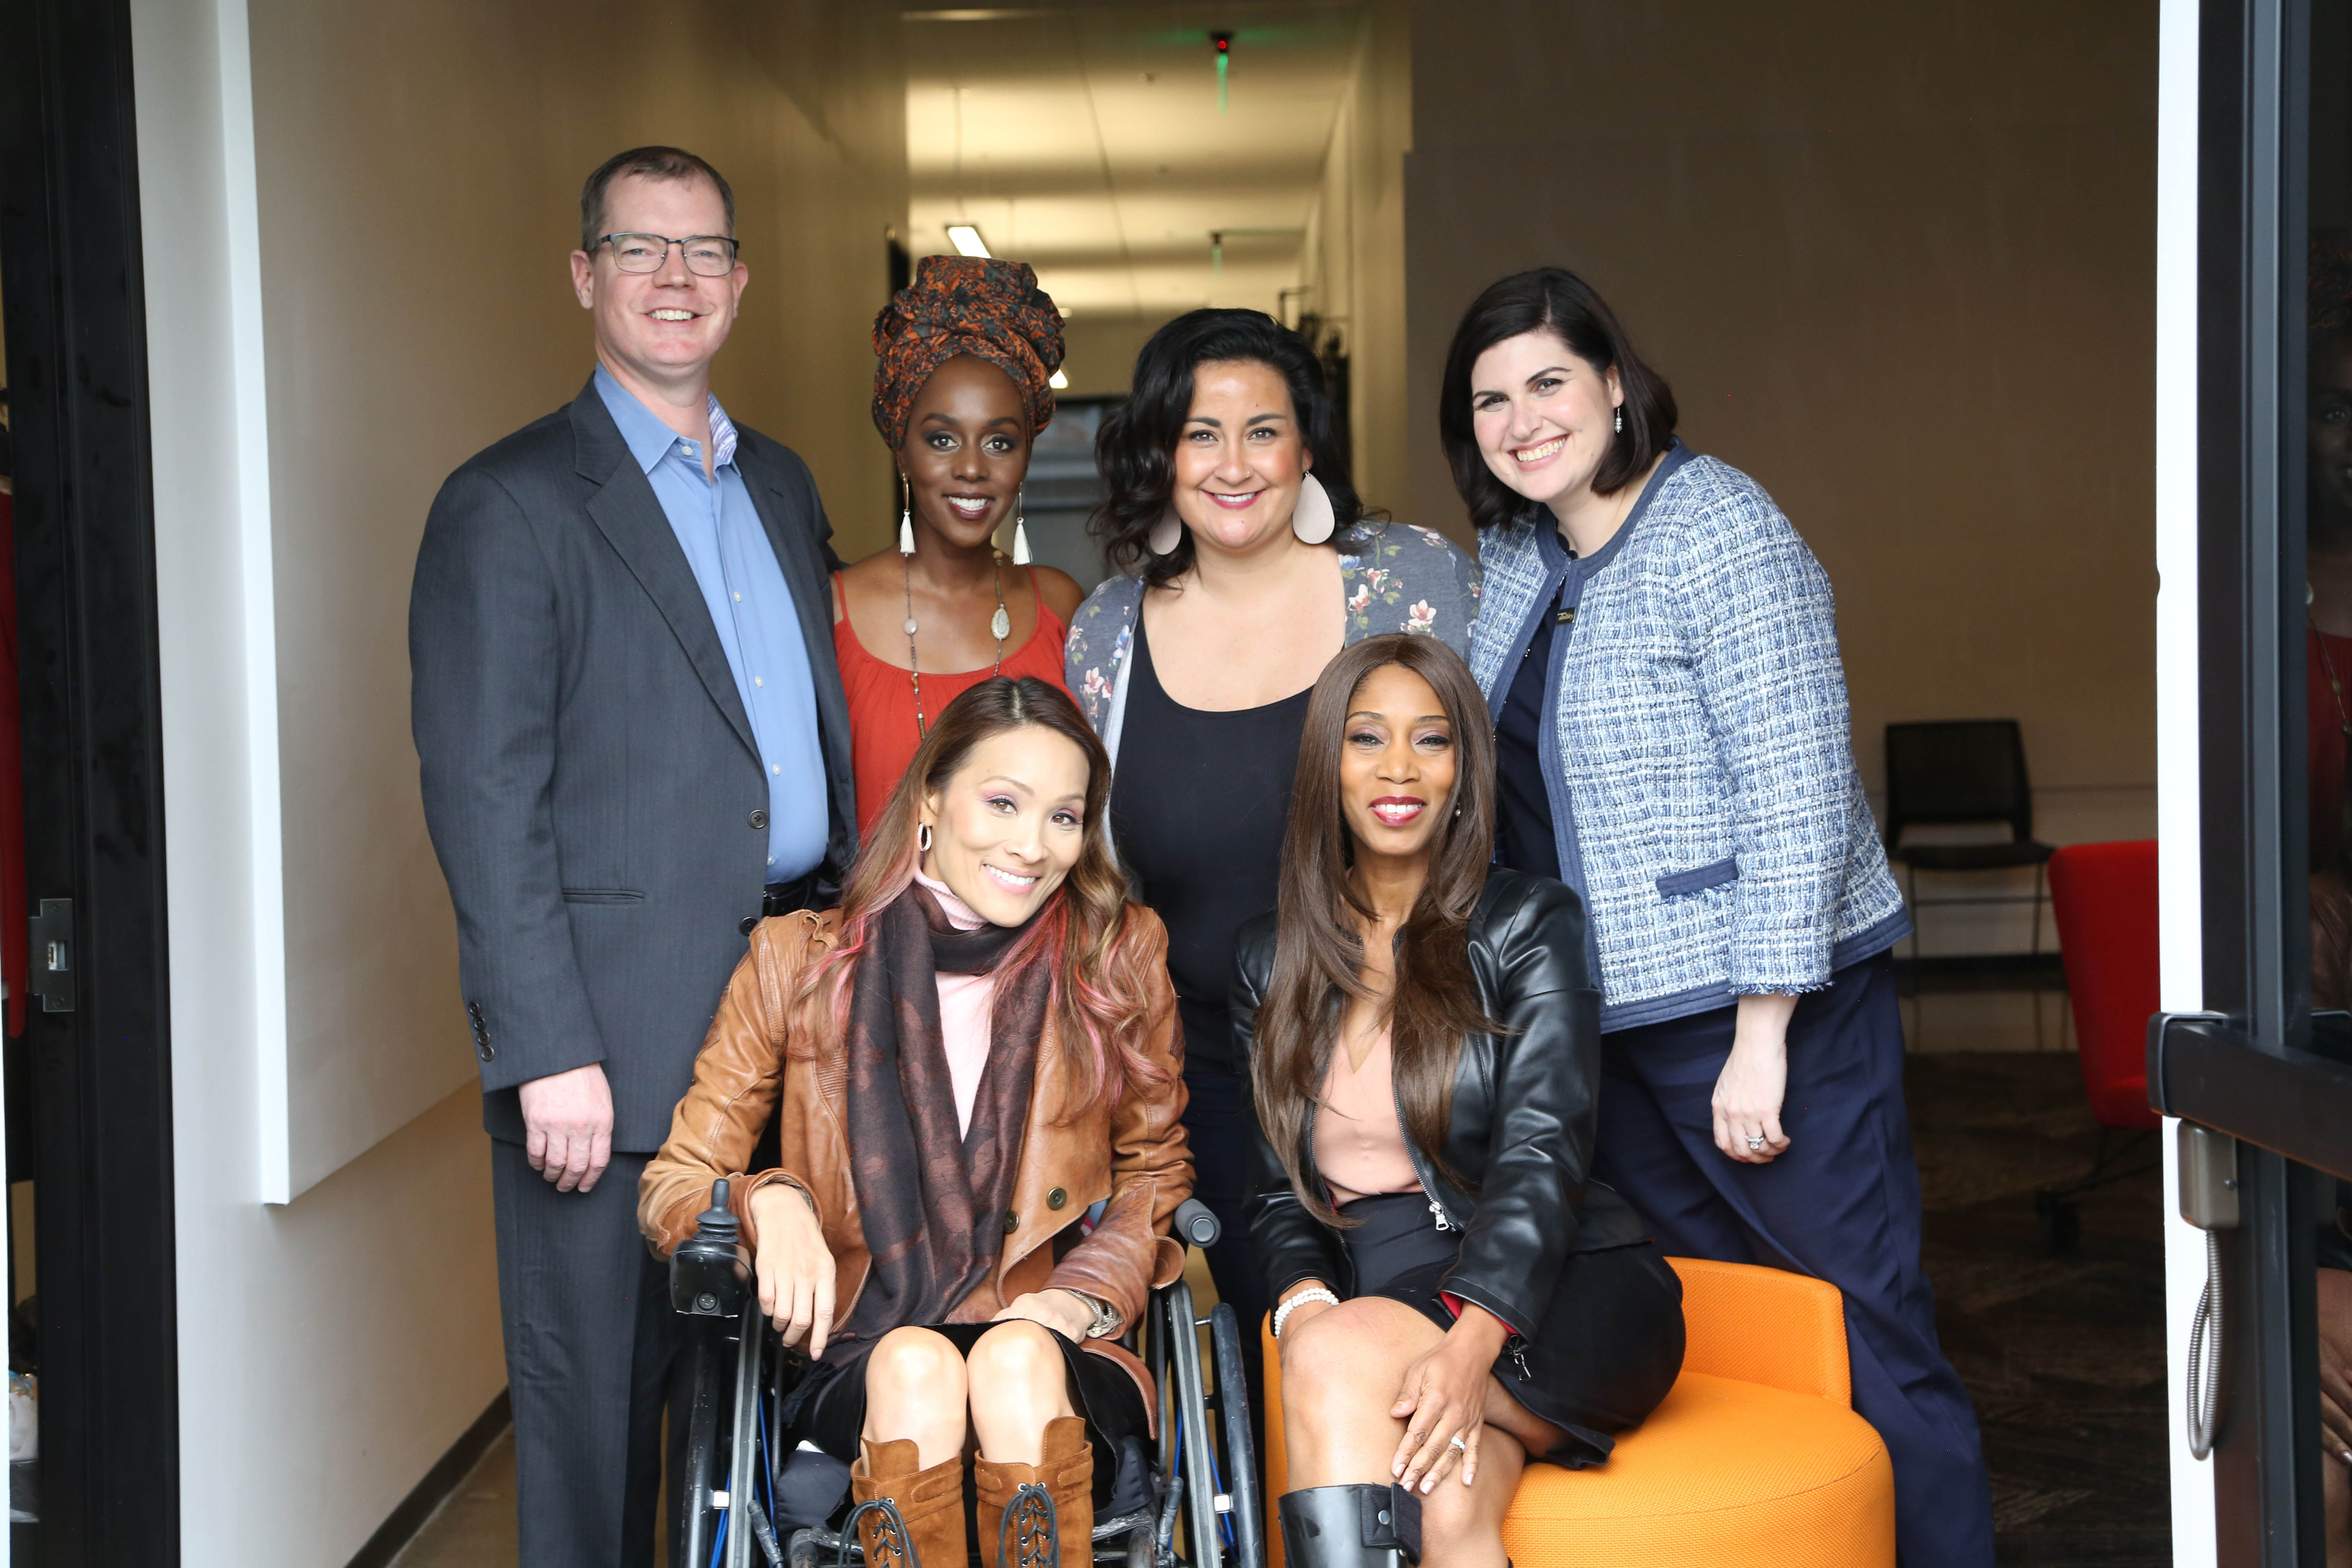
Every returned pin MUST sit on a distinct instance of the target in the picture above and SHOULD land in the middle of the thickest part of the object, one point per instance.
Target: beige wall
(1098, 352)
(356, 214)
(1899, 265)
(1354, 262)
(419, 174)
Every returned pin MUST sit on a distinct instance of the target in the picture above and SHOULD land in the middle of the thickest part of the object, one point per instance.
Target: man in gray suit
(633, 742)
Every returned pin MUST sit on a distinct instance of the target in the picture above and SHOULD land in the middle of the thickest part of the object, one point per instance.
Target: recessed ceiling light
(1060, 382)
(967, 240)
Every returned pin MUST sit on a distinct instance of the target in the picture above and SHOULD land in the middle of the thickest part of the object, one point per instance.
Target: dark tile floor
(2064, 1353)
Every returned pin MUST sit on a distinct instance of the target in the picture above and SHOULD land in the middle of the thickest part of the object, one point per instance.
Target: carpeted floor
(2064, 1353)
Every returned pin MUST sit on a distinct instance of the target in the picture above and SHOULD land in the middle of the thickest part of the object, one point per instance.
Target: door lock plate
(53, 955)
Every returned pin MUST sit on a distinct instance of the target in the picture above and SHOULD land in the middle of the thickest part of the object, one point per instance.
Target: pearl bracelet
(1282, 1313)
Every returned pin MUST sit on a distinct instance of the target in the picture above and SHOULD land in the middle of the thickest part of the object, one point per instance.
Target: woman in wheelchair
(1454, 1294)
(977, 1046)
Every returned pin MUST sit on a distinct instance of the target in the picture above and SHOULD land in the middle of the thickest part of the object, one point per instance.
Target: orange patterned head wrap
(965, 305)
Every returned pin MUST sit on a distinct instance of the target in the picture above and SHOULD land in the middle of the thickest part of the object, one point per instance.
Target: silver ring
(1755, 1143)
(1459, 1446)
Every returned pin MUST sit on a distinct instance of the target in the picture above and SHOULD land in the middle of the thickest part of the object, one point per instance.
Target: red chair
(2105, 899)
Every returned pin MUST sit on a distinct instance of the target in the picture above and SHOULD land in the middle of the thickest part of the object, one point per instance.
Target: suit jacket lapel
(626, 509)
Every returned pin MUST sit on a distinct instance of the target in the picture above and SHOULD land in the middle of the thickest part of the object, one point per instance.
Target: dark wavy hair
(1137, 439)
(1318, 948)
(1085, 936)
(1554, 300)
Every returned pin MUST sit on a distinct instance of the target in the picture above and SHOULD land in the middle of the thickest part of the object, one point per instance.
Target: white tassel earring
(1020, 527)
(906, 518)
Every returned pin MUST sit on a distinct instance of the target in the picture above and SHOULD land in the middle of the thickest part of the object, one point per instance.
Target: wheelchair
(1204, 1474)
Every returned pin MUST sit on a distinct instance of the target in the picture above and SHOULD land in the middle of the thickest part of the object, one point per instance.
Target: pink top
(964, 1000)
(1359, 1141)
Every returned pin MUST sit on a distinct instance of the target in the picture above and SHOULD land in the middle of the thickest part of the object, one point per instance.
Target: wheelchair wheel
(720, 1522)
(1209, 1464)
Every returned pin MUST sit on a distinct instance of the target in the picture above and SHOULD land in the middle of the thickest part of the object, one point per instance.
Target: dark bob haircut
(1137, 439)
(649, 163)
(1554, 300)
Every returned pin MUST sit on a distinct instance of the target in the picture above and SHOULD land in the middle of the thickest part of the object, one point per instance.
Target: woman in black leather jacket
(1422, 1036)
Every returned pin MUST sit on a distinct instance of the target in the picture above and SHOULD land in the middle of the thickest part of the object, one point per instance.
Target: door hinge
(53, 955)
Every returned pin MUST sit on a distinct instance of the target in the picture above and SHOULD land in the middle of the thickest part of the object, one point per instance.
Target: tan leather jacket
(1132, 1154)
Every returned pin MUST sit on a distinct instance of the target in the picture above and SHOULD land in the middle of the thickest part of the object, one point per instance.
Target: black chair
(1965, 771)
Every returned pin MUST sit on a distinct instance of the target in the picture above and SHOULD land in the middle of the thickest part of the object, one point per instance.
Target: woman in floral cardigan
(1245, 564)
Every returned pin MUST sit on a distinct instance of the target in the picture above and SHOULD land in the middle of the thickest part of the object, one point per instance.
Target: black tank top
(1198, 807)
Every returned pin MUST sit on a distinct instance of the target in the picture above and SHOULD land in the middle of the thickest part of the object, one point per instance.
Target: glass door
(2263, 1079)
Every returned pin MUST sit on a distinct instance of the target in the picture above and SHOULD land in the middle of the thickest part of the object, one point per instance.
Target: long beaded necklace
(999, 625)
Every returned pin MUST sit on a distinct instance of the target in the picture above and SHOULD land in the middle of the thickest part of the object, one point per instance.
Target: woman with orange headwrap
(959, 394)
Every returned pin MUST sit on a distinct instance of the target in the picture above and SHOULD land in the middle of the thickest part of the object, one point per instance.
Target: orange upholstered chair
(1757, 1442)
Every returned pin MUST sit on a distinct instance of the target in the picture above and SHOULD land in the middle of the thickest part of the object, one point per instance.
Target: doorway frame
(2243, 1066)
(100, 1079)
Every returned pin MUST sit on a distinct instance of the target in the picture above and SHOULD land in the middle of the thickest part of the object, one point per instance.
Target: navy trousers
(1842, 1204)
(591, 1342)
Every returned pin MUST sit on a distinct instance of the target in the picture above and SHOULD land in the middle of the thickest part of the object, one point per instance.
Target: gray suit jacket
(590, 773)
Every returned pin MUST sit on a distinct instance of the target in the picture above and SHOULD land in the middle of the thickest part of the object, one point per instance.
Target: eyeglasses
(706, 255)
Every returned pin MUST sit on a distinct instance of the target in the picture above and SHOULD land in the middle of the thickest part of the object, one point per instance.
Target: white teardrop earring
(906, 518)
(1312, 518)
(1020, 527)
(1167, 533)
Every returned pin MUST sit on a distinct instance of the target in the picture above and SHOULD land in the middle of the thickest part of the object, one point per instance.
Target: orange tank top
(882, 733)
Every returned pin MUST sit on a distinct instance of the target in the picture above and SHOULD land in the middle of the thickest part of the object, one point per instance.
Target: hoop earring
(905, 517)
(923, 838)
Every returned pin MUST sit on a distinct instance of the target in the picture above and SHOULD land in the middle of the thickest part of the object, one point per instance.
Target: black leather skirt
(1610, 1345)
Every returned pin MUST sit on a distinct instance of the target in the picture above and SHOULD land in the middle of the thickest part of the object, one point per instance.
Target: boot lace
(888, 1549)
(1030, 1535)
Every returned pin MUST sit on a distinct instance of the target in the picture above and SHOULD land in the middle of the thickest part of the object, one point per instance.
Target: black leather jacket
(1522, 1122)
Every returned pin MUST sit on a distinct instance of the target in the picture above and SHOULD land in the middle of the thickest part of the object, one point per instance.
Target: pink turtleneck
(964, 1004)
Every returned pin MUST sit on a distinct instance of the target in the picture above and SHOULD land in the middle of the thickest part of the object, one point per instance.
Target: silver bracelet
(1282, 1313)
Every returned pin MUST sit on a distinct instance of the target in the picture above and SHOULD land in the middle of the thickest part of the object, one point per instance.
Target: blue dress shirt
(751, 607)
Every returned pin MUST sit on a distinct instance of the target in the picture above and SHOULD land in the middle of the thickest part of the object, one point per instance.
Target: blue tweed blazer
(1705, 796)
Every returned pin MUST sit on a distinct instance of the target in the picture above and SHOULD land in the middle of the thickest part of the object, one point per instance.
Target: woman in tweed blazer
(1659, 649)
(1244, 563)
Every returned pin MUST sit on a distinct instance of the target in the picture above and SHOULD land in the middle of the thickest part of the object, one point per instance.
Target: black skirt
(827, 1407)
(1610, 1345)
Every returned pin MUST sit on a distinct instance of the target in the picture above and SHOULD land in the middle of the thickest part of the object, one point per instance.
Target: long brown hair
(1098, 992)
(1318, 950)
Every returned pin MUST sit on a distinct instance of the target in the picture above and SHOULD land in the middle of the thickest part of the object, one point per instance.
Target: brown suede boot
(1067, 1475)
(929, 1502)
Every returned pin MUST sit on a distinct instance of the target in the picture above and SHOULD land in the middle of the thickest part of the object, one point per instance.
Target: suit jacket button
(759, 819)
(1011, 1221)
(1057, 1198)
(748, 925)
(487, 1051)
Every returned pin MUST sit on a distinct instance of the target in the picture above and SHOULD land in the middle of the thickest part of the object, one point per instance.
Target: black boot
(1350, 1527)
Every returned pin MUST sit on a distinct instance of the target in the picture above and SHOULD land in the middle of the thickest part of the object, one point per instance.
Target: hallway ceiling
(1086, 140)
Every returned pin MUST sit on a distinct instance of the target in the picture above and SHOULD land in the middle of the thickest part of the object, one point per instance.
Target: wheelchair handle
(1197, 1224)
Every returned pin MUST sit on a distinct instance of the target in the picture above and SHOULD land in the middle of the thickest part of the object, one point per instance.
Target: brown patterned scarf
(934, 1203)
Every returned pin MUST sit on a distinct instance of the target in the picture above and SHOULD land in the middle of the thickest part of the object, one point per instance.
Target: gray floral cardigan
(1394, 577)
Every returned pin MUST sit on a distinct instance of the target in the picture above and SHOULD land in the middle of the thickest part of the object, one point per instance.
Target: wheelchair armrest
(1196, 1223)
